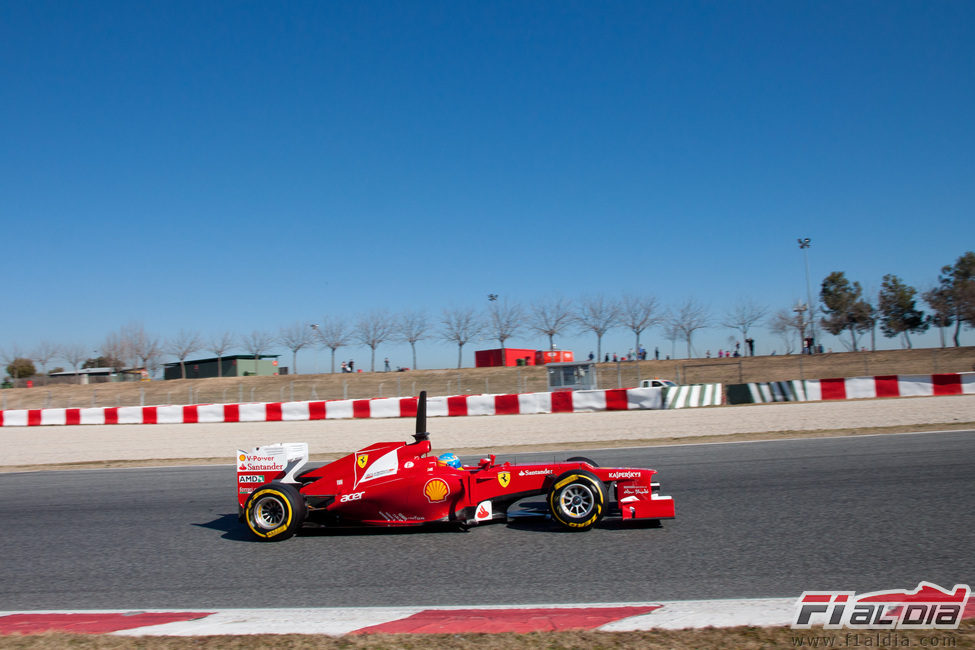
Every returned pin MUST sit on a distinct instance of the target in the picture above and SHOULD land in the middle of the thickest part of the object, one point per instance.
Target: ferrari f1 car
(399, 484)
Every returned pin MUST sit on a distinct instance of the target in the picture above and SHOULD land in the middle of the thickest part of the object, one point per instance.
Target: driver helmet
(448, 460)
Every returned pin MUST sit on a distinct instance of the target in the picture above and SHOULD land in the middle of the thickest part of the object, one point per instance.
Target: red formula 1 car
(398, 484)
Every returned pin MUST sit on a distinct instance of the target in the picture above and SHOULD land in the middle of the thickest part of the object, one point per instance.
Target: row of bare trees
(133, 346)
(842, 307)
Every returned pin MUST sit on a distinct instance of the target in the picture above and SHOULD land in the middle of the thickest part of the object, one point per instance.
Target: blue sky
(238, 166)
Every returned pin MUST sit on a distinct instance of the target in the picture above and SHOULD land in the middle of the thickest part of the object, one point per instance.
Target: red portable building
(503, 357)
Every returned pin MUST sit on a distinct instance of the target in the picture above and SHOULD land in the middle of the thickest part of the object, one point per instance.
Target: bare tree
(689, 317)
(219, 344)
(639, 313)
(785, 323)
(504, 320)
(256, 343)
(672, 335)
(742, 317)
(144, 346)
(43, 353)
(75, 354)
(116, 351)
(294, 337)
(411, 327)
(372, 330)
(185, 343)
(333, 334)
(597, 315)
(550, 317)
(460, 325)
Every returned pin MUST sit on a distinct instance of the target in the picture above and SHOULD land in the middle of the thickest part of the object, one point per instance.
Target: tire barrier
(678, 397)
(841, 388)
(774, 391)
(579, 401)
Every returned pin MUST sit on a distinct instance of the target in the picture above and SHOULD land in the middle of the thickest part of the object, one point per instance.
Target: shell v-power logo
(436, 490)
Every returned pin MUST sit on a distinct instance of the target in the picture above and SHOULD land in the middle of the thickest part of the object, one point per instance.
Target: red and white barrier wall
(621, 399)
(394, 407)
(891, 386)
(812, 390)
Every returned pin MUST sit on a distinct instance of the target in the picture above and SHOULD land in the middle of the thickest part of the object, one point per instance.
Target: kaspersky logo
(927, 607)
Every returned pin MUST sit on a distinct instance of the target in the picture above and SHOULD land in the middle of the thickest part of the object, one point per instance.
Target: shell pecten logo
(436, 490)
(242, 458)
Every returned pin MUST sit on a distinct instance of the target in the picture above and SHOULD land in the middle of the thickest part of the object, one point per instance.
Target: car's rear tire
(274, 512)
(577, 500)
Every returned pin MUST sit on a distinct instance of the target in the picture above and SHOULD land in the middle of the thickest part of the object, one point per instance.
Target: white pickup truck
(656, 382)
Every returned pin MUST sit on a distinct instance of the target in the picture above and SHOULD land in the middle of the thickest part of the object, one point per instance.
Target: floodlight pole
(314, 327)
(804, 244)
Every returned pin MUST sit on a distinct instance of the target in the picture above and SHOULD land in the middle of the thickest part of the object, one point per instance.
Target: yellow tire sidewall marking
(287, 507)
(576, 524)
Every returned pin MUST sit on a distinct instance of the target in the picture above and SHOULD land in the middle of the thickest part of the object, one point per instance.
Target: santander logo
(484, 511)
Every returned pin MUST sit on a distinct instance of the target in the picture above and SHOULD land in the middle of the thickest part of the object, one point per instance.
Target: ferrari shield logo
(361, 460)
(504, 478)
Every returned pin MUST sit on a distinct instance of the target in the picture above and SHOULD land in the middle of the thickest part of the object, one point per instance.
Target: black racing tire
(577, 500)
(582, 459)
(274, 512)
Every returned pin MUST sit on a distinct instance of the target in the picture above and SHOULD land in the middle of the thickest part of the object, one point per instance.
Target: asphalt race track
(763, 519)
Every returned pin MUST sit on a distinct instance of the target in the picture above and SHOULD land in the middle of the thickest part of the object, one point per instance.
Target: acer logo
(354, 496)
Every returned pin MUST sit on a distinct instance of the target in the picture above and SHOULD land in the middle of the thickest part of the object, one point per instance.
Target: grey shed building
(237, 365)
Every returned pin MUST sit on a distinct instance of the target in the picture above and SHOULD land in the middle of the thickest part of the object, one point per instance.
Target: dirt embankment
(484, 380)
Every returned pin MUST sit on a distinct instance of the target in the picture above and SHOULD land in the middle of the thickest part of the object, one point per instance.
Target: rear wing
(277, 462)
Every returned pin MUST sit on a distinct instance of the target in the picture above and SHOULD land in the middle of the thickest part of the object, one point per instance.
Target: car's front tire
(581, 459)
(577, 500)
(274, 512)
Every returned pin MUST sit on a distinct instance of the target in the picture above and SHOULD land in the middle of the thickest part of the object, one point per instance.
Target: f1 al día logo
(927, 607)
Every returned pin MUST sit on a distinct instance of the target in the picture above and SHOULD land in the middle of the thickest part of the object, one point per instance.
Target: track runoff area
(926, 607)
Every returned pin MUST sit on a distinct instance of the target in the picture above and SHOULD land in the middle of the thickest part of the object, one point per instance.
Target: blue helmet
(448, 460)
